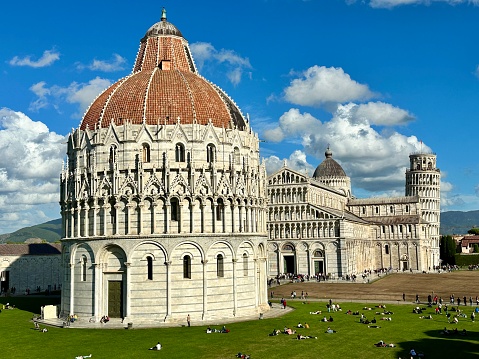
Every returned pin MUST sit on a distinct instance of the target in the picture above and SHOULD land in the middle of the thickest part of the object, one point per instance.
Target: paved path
(116, 323)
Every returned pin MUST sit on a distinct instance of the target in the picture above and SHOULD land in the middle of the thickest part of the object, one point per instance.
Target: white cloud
(48, 58)
(476, 72)
(297, 161)
(28, 187)
(205, 53)
(376, 161)
(82, 94)
(323, 86)
(393, 3)
(115, 64)
(380, 113)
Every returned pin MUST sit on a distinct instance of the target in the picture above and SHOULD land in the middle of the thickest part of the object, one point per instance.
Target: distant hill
(49, 232)
(457, 222)
(452, 222)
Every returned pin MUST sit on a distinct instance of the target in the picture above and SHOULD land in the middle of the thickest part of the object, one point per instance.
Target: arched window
(220, 208)
(245, 264)
(175, 209)
(210, 153)
(83, 268)
(149, 264)
(386, 249)
(112, 158)
(236, 155)
(180, 152)
(146, 153)
(391, 209)
(364, 210)
(407, 208)
(377, 210)
(187, 267)
(220, 266)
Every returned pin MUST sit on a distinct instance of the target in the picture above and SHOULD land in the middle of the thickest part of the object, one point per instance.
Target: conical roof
(163, 88)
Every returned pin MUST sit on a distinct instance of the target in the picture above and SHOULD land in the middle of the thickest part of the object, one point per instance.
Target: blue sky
(374, 79)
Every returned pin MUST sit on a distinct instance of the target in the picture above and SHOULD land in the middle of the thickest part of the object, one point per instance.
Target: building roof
(329, 167)
(383, 200)
(469, 240)
(163, 88)
(33, 249)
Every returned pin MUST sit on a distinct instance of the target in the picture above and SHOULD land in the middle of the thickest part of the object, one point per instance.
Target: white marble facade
(163, 207)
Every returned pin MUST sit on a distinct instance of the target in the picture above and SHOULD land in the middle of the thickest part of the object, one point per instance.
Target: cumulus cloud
(394, 3)
(297, 161)
(205, 53)
(322, 86)
(115, 64)
(29, 170)
(48, 58)
(376, 161)
(76, 93)
(380, 113)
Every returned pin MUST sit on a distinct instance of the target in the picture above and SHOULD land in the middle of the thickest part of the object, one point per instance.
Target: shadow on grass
(31, 303)
(440, 345)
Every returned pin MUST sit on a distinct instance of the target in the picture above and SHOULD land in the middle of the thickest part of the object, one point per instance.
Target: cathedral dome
(164, 88)
(329, 167)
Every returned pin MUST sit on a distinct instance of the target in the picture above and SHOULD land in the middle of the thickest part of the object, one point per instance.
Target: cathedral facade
(316, 227)
(163, 197)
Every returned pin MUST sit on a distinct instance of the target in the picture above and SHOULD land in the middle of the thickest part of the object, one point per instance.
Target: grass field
(18, 339)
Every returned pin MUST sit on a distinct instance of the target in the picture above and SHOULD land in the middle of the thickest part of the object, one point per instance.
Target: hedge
(464, 260)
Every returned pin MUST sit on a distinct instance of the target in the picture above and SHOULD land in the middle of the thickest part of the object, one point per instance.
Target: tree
(447, 248)
(474, 231)
(476, 248)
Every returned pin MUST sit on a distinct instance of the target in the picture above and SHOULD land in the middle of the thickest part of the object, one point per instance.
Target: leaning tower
(423, 180)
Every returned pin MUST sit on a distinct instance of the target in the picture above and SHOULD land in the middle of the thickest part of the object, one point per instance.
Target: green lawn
(352, 340)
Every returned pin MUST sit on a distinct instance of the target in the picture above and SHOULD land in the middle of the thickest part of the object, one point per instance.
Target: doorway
(289, 264)
(318, 267)
(115, 299)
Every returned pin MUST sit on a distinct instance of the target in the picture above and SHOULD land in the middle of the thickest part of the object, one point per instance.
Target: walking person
(188, 320)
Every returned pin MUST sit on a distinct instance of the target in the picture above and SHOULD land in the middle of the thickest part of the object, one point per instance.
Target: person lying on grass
(299, 337)
(382, 344)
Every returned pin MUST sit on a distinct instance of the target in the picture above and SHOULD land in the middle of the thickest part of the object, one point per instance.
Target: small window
(220, 266)
(146, 153)
(220, 208)
(245, 264)
(377, 210)
(83, 268)
(175, 208)
(187, 267)
(386, 249)
(180, 152)
(210, 153)
(112, 158)
(149, 265)
(391, 209)
(364, 210)
(407, 208)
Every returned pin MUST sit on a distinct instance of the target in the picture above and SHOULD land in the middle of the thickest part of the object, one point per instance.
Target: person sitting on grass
(299, 325)
(156, 347)
(316, 312)
(289, 331)
(331, 318)
(224, 330)
(330, 331)
(324, 319)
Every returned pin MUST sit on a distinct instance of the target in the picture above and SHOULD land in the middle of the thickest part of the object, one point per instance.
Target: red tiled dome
(164, 85)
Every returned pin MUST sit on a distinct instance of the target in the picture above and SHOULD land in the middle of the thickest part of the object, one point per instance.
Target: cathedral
(316, 227)
(163, 197)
